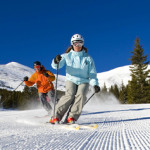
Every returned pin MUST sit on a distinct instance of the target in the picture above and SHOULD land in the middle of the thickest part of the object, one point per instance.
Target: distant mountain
(115, 76)
(12, 74)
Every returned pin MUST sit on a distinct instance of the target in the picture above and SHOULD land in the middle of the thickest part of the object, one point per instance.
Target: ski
(41, 116)
(76, 126)
(71, 126)
(66, 126)
(88, 126)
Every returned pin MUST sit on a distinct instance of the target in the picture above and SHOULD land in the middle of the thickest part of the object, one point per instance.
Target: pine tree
(148, 99)
(30, 96)
(115, 90)
(138, 86)
(123, 95)
(104, 89)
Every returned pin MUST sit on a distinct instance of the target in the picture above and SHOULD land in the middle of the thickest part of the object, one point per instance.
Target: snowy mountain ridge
(12, 74)
(115, 76)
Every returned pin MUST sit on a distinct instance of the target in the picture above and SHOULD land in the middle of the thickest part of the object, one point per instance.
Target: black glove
(57, 59)
(26, 78)
(97, 88)
(46, 74)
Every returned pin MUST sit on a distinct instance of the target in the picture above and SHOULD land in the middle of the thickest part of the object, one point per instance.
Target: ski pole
(55, 97)
(72, 104)
(89, 98)
(18, 86)
(12, 91)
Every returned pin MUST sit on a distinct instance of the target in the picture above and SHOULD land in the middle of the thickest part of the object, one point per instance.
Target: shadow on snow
(113, 121)
(94, 113)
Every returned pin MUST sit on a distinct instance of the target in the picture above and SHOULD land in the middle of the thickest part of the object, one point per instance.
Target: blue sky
(39, 30)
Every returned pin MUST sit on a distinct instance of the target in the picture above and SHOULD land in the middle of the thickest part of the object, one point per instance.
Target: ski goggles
(37, 67)
(78, 43)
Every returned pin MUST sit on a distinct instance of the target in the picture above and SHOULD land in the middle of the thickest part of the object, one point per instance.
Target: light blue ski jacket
(80, 67)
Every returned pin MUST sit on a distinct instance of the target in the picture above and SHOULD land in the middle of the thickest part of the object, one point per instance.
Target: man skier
(43, 79)
(80, 72)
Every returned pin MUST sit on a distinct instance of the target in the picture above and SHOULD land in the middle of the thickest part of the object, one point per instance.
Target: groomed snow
(120, 127)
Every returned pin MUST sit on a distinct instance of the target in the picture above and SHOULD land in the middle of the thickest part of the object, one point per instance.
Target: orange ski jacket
(44, 84)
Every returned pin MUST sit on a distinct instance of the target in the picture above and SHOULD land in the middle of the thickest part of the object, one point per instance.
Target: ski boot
(54, 120)
(71, 120)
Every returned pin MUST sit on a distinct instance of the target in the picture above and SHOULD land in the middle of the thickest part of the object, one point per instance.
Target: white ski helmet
(77, 37)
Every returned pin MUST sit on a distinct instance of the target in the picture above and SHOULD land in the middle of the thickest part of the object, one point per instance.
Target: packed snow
(120, 127)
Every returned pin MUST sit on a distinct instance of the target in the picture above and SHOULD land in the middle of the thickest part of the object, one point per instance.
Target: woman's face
(77, 48)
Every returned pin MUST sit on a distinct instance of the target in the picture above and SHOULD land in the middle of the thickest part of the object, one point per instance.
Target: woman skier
(80, 72)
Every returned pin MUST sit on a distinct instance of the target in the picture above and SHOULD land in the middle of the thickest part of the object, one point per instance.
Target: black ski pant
(48, 106)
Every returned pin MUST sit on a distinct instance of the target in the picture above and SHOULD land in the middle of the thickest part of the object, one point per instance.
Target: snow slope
(12, 74)
(120, 127)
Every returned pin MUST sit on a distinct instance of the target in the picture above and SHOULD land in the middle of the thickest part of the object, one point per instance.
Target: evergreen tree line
(27, 99)
(137, 90)
(18, 99)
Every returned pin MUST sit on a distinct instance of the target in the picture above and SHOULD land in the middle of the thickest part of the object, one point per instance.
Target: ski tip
(72, 126)
(95, 126)
(77, 128)
(89, 126)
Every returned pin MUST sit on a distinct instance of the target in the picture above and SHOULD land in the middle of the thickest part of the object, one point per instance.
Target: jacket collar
(81, 53)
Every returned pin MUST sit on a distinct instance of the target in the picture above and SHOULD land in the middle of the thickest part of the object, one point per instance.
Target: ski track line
(104, 138)
(113, 143)
(137, 140)
(75, 143)
(141, 140)
(146, 139)
(91, 141)
(125, 136)
(100, 144)
(104, 142)
(125, 142)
